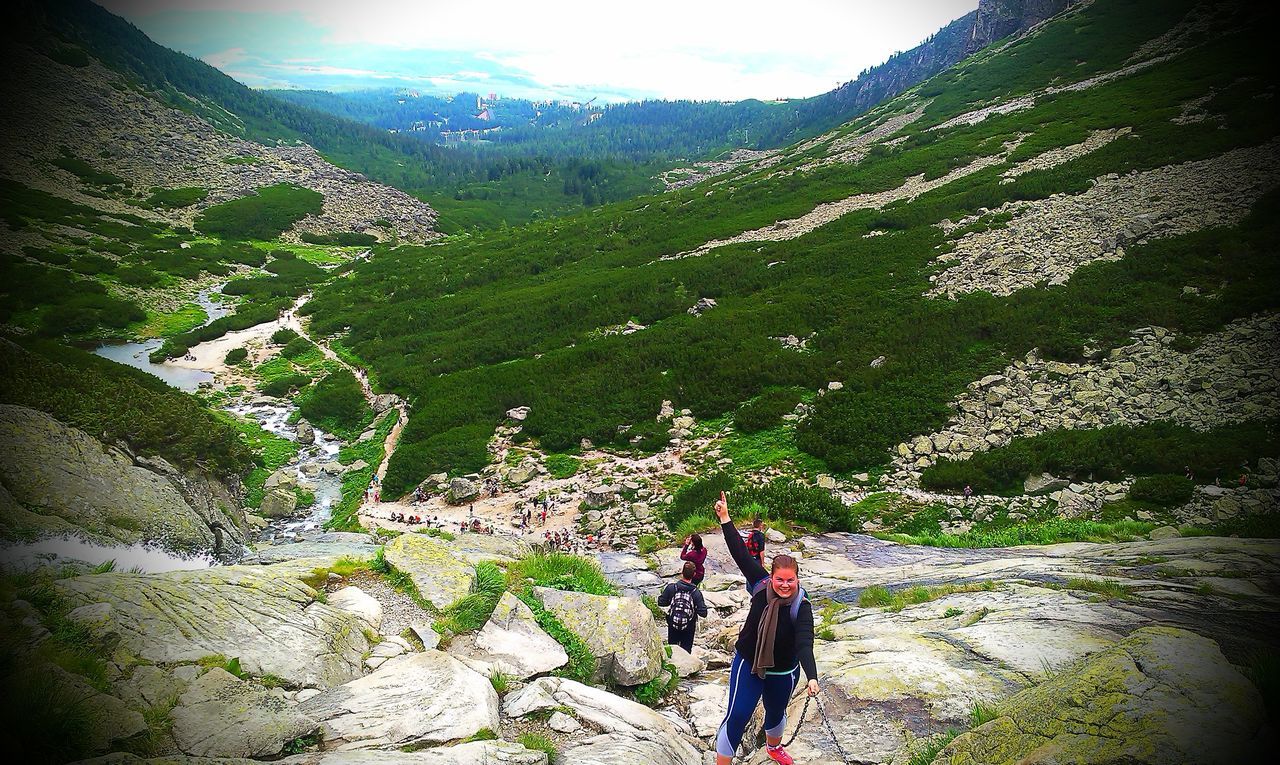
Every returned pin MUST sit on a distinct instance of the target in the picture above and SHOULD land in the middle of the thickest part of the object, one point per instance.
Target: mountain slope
(531, 317)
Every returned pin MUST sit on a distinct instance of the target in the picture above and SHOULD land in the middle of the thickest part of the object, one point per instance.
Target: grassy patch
(877, 596)
(1047, 532)
(561, 571)
(561, 465)
(264, 214)
(345, 514)
(471, 612)
(1105, 589)
(539, 743)
(652, 693)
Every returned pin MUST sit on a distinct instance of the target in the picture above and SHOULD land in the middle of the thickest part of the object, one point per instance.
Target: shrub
(341, 239)
(647, 543)
(1165, 490)
(235, 356)
(283, 336)
(562, 571)
(176, 198)
(265, 214)
(336, 403)
(561, 465)
(284, 385)
(765, 410)
(296, 347)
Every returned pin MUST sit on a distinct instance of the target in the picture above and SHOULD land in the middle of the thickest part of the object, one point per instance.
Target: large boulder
(59, 479)
(514, 643)
(1045, 483)
(270, 621)
(422, 698)
(633, 733)
(356, 601)
(315, 548)
(601, 496)
(473, 753)
(305, 433)
(280, 502)
(444, 571)
(619, 631)
(463, 490)
(524, 472)
(223, 716)
(1161, 695)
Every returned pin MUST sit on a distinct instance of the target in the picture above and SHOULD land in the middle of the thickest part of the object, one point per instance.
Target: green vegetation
(766, 410)
(1045, 532)
(652, 693)
(1164, 490)
(486, 325)
(336, 404)
(235, 356)
(176, 198)
(345, 514)
(876, 596)
(84, 171)
(265, 214)
(185, 319)
(283, 336)
(347, 239)
(1105, 589)
(790, 502)
(561, 571)
(471, 612)
(539, 743)
(647, 543)
(116, 402)
(1161, 449)
(561, 466)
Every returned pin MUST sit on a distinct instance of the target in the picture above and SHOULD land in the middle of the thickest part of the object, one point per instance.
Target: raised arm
(749, 566)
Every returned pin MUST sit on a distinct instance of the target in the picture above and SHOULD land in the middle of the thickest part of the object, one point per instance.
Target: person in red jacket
(695, 553)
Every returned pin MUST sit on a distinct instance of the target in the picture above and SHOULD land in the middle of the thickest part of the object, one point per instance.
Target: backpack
(755, 542)
(682, 611)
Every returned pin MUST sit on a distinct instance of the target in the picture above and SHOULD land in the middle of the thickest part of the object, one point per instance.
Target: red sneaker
(779, 755)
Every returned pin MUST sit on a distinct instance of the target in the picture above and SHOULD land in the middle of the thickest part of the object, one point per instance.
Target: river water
(273, 415)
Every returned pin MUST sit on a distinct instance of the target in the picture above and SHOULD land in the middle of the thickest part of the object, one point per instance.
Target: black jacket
(793, 643)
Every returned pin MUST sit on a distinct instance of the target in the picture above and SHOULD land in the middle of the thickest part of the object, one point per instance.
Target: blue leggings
(745, 691)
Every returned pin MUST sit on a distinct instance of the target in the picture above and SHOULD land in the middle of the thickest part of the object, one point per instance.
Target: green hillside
(480, 324)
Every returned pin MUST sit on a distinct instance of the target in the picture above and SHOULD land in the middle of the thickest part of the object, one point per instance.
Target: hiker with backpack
(686, 605)
(695, 553)
(774, 644)
(755, 540)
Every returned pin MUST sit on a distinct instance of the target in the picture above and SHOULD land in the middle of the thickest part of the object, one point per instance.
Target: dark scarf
(768, 627)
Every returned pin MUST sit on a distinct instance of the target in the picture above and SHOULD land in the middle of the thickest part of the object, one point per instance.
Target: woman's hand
(813, 688)
(722, 509)
(686, 541)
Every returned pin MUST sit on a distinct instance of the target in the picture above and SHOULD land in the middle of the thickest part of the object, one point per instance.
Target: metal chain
(826, 723)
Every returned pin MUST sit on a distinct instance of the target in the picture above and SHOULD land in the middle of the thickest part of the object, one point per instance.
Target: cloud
(707, 49)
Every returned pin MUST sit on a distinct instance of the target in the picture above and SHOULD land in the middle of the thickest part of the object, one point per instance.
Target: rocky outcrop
(632, 732)
(997, 19)
(223, 716)
(474, 753)
(1047, 240)
(1230, 377)
(424, 698)
(619, 631)
(444, 571)
(1161, 695)
(62, 479)
(267, 620)
(514, 643)
(126, 131)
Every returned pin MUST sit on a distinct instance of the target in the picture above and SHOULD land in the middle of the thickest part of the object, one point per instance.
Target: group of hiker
(774, 644)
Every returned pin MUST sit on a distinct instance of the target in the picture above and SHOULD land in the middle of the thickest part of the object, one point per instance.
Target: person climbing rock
(686, 605)
(774, 644)
(695, 553)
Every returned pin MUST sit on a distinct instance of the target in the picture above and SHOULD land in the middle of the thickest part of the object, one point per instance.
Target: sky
(546, 49)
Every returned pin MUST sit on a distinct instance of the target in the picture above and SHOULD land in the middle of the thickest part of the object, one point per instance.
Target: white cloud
(679, 48)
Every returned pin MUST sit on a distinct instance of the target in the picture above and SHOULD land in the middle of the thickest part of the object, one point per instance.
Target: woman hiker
(695, 553)
(687, 605)
(774, 644)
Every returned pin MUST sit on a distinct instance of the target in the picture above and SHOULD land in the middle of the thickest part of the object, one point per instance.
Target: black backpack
(683, 611)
